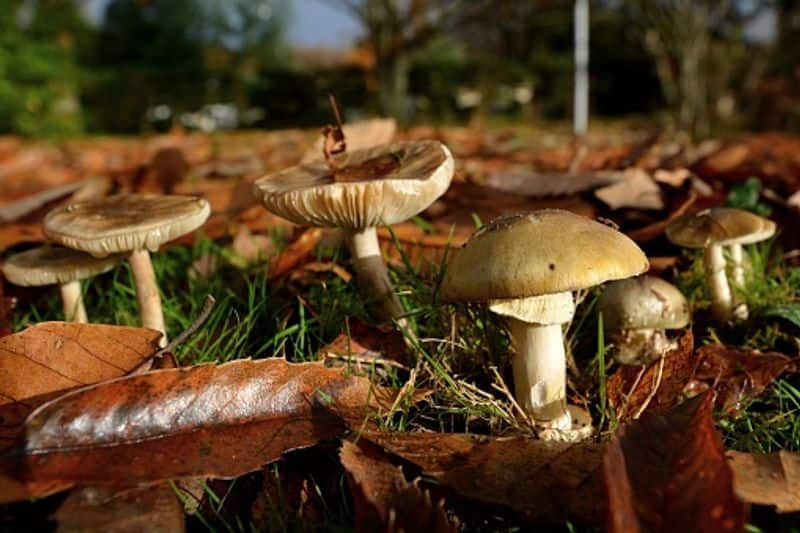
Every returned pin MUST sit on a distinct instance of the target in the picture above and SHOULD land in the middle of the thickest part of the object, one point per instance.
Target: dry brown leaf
(544, 184)
(298, 252)
(667, 472)
(384, 500)
(767, 479)
(54, 356)
(672, 177)
(631, 388)
(95, 510)
(545, 482)
(209, 420)
(362, 343)
(736, 374)
(636, 190)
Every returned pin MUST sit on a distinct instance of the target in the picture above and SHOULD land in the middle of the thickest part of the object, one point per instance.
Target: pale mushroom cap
(644, 302)
(539, 253)
(49, 265)
(125, 222)
(719, 225)
(401, 180)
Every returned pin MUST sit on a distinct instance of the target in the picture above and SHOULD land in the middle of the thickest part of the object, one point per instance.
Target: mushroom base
(640, 346)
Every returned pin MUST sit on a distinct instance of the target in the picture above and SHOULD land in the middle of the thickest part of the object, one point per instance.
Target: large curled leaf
(667, 472)
(210, 420)
(545, 482)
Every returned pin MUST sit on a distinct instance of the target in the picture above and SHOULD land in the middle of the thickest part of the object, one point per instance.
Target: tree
(39, 71)
(695, 45)
(395, 29)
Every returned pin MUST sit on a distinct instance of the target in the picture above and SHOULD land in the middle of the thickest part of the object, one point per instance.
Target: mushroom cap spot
(719, 225)
(392, 183)
(644, 302)
(539, 253)
(125, 222)
(49, 265)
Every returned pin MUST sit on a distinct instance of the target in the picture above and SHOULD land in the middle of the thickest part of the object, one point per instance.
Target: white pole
(581, 104)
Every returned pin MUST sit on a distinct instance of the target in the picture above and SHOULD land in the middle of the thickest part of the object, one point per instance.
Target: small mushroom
(636, 312)
(526, 267)
(711, 230)
(54, 265)
(358, 191)
(133, 224)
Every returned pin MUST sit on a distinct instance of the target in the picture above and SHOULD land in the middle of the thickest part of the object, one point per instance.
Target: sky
(312, 23)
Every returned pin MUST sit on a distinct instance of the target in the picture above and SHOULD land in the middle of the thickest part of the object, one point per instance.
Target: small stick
(334, 141)
(208, 305)
(654, 390)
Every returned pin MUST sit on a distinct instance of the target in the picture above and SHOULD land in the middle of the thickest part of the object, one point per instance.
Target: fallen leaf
(152, 509)
(672, 177)
(295, 254)
(17, 209)
(543, 184)
(737, 374)
(249, 248)
(767, 479)
(383, 499)
(208, 420)
(667, 472)
(545, 482)
(44, 361)
(362, 343)
(651, 231)
(55, 356)
(631, 387)
(7, 305)
(636, 191)
(316, 267)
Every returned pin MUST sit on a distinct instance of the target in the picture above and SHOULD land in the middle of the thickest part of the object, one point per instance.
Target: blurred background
(76, 67)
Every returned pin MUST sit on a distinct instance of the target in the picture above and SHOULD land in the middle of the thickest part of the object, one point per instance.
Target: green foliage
(747, 196)
(39, 74)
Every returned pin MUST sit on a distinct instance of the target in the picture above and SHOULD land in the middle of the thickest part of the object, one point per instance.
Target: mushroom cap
(644, 302)
(382, 185)
(125, 222)
(719, 225)
(49, 265)
(539, 253)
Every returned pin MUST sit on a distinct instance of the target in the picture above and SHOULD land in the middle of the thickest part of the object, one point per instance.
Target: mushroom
(711, 230)
(54, 265)
(135, 224)
(526, 267)
(358, 191)
(636, 311)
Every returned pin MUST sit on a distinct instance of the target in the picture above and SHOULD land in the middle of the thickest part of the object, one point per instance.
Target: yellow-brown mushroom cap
(719, 225)
(382, 185)
(49, 265)
(539, 253)
(125, 222)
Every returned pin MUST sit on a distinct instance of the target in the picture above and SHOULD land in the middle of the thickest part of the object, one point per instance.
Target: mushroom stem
(721, 300)
(71, 298)
(373, 278)
(147, 295)
(540, 372)
(737, 258)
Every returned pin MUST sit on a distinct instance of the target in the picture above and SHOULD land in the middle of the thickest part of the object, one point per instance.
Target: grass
(461, 350)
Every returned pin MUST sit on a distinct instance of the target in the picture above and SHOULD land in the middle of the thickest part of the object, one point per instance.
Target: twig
(654, 390)
(500, 385)
(334, 141)
(630, 392)
(147, 365)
